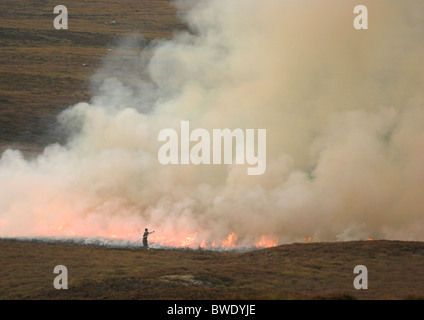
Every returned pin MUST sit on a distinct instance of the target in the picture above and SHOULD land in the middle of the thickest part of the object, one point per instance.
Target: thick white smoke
(343, 109)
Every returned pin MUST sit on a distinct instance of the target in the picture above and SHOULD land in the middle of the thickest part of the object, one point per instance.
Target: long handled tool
(131, 244)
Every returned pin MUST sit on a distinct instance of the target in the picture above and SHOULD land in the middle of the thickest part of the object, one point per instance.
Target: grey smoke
(343, 109)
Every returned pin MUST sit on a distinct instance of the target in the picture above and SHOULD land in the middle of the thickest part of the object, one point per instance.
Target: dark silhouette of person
(145, 235)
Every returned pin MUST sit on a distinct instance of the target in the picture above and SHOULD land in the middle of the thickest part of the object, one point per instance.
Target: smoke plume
(343, 109)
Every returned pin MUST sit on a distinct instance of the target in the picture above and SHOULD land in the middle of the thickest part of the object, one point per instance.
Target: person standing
(145, 235)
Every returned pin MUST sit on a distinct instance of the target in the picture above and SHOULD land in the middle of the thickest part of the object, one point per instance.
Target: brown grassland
(293, 271)
(44, 70)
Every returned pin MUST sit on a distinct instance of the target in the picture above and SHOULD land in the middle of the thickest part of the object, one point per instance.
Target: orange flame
(265, 242)
(230, 241)
(308, 239)
(133, 232)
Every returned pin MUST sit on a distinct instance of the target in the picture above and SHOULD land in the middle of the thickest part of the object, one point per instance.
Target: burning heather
(343, 111)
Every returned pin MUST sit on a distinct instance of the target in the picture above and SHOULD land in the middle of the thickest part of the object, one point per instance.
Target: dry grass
(44, 70)
(297, 271)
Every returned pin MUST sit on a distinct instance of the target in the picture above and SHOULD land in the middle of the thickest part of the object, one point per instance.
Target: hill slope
(44, 70)
(296, 271)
